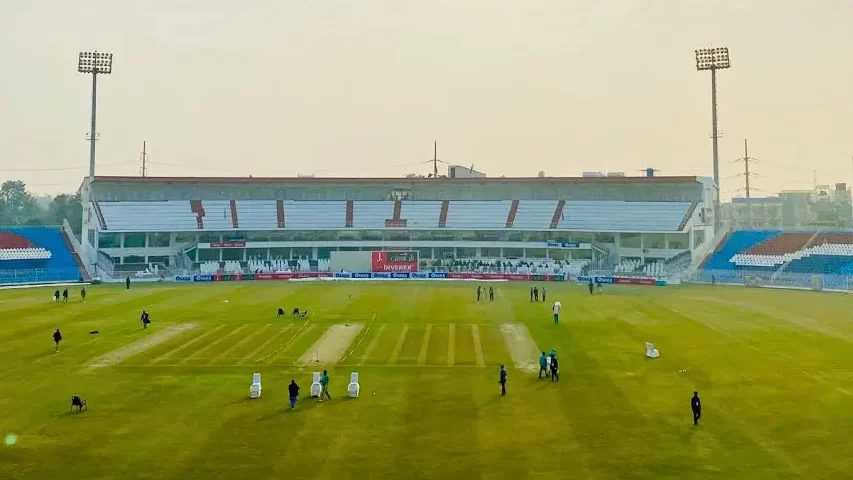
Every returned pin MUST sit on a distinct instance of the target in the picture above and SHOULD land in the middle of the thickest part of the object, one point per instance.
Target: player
(598, 284)
(543, 365)
(536, 294)
(324, 382)
(555, 372)
(83, 294)
(145, 319)
(502, 381)
(556, 309)
(479, 290)
(56, 296)
(543, 294)
(531, 294)
(127, 283)
(695, 405)
(293, 390)
(491, 294)
(57, 337)
(65, 296)
(591, 287)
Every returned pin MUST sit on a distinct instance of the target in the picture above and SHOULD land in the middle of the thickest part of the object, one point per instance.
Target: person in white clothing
(556, 309)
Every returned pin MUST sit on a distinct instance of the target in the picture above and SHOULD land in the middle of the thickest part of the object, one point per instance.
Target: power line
(59, 169)
(746, 159)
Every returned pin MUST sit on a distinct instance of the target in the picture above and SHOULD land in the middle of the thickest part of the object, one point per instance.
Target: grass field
(774, 370)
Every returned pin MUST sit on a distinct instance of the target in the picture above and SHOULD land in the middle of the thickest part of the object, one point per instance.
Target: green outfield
(774, 370)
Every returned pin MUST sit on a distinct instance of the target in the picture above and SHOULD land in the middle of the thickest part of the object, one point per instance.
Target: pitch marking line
(425, 345)
(372, 345)
(286, 343)
(451, 344)
(254, 353)
(237, 345)
(186, 345)
(361, 339)
(478, 347)
(212, 344)
(398, 346)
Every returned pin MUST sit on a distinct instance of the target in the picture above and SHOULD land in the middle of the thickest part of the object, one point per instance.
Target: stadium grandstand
(150, 227)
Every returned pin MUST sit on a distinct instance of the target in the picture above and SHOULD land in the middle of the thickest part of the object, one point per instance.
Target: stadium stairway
(70, 246)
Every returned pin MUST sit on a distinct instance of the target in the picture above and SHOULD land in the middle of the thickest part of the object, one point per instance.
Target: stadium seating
(257, 214)
(148, 216)
(35, 255)
(219, 215)
(476, 214)
(620, 216)
(738, 242)
(534, 214)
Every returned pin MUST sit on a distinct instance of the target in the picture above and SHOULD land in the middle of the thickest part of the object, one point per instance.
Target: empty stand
(217, 215)
(472, 214)
(535, 214)
(736, 243)
(317, 214)
(162, 216)
(259, 214)
(422, 214)
(45, 259)
(371, 214)
(618, 216)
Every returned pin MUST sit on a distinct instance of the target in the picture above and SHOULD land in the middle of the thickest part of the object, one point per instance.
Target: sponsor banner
(203, 278)
(361, 275)
(569, 245)
(183, 278)
(381, 275)
(394, 261)
(420, 275)
(438, 275)
(488, 276)
(288, 275)
(619, 280)
(229, 244)
(400, 275)
(343, 275)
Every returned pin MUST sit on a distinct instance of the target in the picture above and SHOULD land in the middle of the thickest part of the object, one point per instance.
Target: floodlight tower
(714, 59)
(95, 63)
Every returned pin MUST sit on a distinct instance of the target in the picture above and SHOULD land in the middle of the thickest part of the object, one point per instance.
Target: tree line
(18, 206)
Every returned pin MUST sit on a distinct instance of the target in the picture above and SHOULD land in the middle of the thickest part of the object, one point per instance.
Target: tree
(65, 207)
(18, 206)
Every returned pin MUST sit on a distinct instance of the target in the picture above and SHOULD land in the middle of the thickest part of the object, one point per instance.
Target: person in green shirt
(324, 381)
(543, 365)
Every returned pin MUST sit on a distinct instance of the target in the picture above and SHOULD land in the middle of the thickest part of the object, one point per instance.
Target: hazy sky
(362, 88)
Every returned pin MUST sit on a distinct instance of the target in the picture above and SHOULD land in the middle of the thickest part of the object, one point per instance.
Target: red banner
(394, 262)
(488, 276)
(229, 244)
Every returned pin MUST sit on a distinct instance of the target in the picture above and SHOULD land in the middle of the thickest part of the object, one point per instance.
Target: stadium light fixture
(714, 59)
(94, 63)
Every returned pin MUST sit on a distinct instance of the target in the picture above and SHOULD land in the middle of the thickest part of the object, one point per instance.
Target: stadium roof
(395, 180)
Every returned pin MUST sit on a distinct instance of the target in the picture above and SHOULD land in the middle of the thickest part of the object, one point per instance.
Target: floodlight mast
(95, 63)
(714, 59)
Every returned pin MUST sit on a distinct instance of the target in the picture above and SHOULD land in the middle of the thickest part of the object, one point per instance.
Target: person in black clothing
(531, 294)
(502, 381)
(555, 373)
(280, 312)
(591, 287)
(145, 319)
(696, 406)
(83, 294)
(127, 283)
(57, 337)
(491, 294)
(543, 294)
(65, 295)
(293, 389)
(479, 289)
(598, 284)
(536, 294)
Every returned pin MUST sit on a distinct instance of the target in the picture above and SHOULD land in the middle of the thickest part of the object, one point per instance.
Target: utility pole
(746, 159)
(435, 159)
(144, 160)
